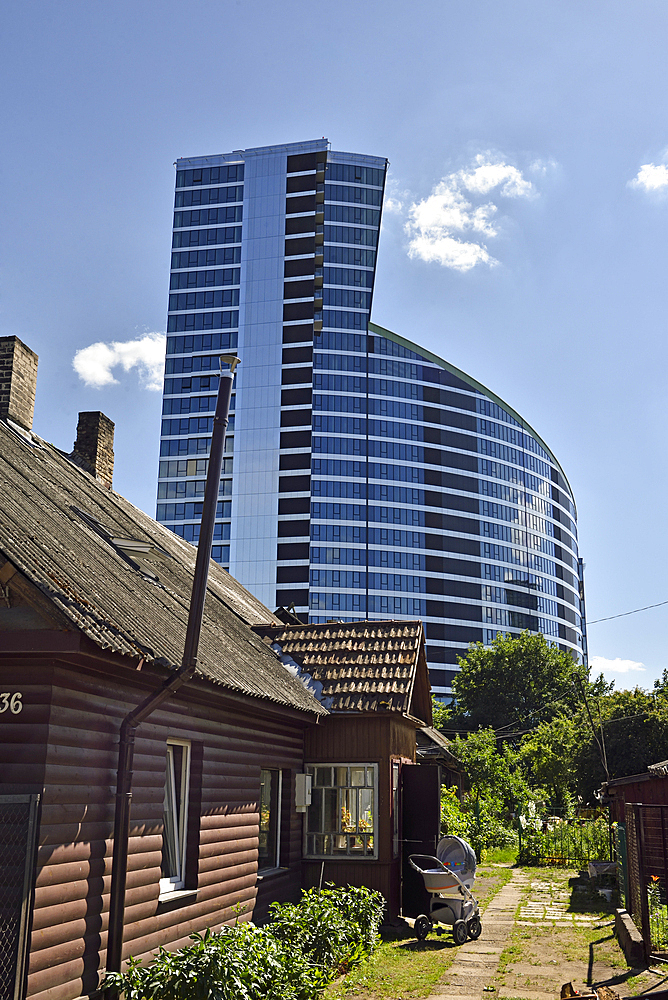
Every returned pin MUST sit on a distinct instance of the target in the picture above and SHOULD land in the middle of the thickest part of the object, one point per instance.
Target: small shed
(639, 807)
(371, 803)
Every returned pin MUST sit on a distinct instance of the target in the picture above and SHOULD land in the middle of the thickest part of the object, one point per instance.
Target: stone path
(477, 961)
(474, 973)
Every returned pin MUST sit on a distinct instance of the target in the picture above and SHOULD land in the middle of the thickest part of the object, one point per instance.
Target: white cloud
(651, 177)
(599, 664)
(147, 354)
(437, 224)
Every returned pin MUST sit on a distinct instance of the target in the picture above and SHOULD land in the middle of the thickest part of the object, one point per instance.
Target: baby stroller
(448, 879)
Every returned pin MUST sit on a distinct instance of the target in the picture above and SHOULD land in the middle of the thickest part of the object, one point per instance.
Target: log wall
(64, 744)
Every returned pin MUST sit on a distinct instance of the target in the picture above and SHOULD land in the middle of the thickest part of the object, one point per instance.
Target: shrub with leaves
(293, 958)
(333, 927)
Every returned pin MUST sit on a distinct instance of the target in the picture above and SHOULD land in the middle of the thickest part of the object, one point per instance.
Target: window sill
(168, 901)
(270, 873)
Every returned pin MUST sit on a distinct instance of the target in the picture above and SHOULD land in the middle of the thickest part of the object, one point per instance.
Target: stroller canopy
(456, 854)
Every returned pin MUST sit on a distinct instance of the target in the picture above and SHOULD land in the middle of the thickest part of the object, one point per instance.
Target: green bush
(293, 957)
(333, 927)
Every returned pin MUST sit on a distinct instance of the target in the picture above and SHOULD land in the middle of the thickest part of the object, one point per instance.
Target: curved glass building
(365, 477)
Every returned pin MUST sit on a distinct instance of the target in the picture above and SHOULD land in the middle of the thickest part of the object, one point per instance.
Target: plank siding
(64, 744)
(371, 738)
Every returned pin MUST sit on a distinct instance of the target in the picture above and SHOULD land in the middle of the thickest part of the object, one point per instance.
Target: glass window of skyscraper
(365, 477)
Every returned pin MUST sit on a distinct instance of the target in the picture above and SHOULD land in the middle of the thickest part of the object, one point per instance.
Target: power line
(625, 613)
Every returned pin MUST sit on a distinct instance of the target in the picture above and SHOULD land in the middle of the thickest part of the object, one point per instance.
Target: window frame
(275, 822)
(176, 883)
(362, 855)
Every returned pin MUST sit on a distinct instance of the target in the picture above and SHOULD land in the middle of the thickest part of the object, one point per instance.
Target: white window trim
(346, 857)
(176, 883)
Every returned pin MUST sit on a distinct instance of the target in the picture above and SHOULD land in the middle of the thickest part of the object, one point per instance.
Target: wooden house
(371, 804)
(94, 598)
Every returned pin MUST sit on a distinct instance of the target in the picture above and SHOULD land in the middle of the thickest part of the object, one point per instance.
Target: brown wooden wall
(75, 765)
(647, 789)
(373, 738)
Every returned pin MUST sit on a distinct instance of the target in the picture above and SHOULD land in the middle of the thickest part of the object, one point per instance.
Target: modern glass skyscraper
(366, 477)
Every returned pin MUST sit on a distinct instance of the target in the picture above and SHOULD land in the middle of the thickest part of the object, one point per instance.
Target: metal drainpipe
(172, 683)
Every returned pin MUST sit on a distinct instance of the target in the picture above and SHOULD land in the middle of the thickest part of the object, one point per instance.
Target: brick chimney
(94, 446)
(18, 381)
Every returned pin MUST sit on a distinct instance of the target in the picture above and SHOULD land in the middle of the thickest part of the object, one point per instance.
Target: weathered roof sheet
(75, 540)
(359, 666)
(432, 745)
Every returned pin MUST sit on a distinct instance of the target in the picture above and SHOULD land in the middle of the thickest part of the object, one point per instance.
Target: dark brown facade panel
(298, 310)
(294, 505)
(296, 397)
(295, 439)
(297, 355)
(294, 484)
(300, 203)
(296, 460)
(306, 183)
(296, 418)
(300, 162)
(293, 529)
(298, 333)
(299, 247)
(284, 598)
(299, 289)
(297, 550)
(292, 574)
(296, 267)
(295, 224)
(294, 376)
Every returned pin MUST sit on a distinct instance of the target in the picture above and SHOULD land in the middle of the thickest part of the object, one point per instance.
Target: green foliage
(635, 726)
(241, 963)
(555, 841)
(495, 784)
(293, 958)
(518, 680)
(332, 927)
(547, 757)
(454, 821)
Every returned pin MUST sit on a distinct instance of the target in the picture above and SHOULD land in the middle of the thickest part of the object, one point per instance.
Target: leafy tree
(496, 785)
(635, 730)
(518, 680)
(547, 757)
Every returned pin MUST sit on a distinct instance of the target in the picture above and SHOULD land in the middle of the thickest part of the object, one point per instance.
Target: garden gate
(647, 853)
(18, 828)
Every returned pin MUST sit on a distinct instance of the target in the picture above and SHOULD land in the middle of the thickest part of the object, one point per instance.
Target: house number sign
(11, 701)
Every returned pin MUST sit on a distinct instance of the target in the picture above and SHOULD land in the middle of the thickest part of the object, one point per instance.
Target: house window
(341, 820)
(175, 816)
(270, 813)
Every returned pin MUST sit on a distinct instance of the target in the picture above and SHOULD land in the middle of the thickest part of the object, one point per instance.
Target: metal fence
(646, 831)
(18, 828)
(571, 841)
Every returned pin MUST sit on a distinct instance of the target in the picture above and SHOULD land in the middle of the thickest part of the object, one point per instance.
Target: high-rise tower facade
(366, 477)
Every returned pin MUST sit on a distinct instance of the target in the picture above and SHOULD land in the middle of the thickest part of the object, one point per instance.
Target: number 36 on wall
(11, 701)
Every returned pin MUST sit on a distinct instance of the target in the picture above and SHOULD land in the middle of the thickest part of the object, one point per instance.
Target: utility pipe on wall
(173, 682)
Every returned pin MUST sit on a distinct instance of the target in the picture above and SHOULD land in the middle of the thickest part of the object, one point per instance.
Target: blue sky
(525, 241)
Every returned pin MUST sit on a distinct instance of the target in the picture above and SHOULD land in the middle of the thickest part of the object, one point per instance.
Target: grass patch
(501, 856)
(401, 970)
(407, 969)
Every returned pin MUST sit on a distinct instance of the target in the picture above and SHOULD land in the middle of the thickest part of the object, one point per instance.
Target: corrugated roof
(68, 535)
(357, 666)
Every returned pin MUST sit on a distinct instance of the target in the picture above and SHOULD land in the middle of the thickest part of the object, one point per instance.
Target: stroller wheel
(459, 932)
(474, 928)
(422, 927)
